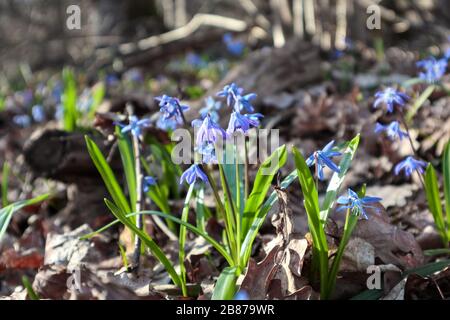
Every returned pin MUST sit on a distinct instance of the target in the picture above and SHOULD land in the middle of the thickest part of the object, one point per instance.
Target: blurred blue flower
(171, 107)
(57, 92)
(112, 80)
(22, 120)
(235, 99)
(390, 97)
(208, 131)
(25, 97)
(356, 204)
(84, 102)
(133, 75)
(409, 165)
(195, 60)
(192, 174)
(59, 113)
(392, 130)
(433, 69)
(322, 158)
(211, 108)
(147, 182)
(38, 113)
(242, 123)
(235, 47)
(241, 295)
(166, 124)
(135, 126)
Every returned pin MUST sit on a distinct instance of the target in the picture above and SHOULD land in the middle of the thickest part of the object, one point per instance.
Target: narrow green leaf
(373, 294)
(260, 217)
(154, 248)
(30, 291)
(69, 100)
(311, 202)
(446, 171)
(225, 288)
(337, 178)
(182, 239)
(128, 163)
(419, 102)
(261, 186)
(436, 252)
(201, 210)
(7, 212)
(98, 93)
(429, 268)
(434, 202)
(189, 226)
(107, 175)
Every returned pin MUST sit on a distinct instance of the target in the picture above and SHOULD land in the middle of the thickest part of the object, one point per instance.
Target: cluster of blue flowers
(432, 71)
(322, 159)
(209, 131)
(392, 98)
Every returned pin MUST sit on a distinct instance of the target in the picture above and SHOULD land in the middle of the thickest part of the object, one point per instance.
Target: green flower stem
(350, 223)
(405, 124)
(419, 102)
(221, 209)
(232, 215)
(247, 175)
(139, 202)
(182, 239)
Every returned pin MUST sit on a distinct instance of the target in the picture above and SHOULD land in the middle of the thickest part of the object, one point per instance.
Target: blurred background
(34, 34)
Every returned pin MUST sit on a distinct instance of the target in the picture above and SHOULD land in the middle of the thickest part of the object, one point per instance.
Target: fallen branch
(196, 22)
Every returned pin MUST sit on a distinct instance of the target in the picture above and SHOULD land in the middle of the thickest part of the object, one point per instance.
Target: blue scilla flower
(409, 165)
(230, 92)
(133, 75)
(390, 97)
(171, 107)
(211, 108)
(242, 123)
(166, 124)
(208, 152)
(356, 204)
(235, 47)
(147, 182)
(392, 130)
(208, 131)
(135, 126)
(236, 99)
(322, 158)
(22, 120)
(38, 113)
(243, 103)
(192, 174)
(433, 68)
